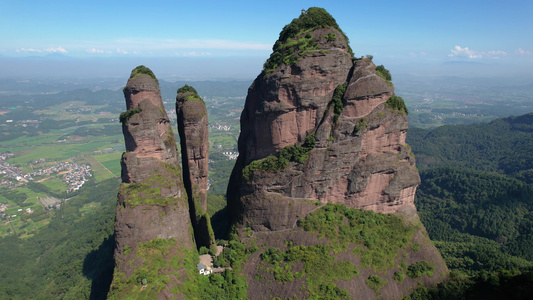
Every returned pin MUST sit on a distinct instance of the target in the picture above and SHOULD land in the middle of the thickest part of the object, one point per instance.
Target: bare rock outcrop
(360, 158)
(320, 127)
(193, 131)
(152, 214)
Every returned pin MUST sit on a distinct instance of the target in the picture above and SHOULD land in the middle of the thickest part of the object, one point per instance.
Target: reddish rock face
(152, 202)
(334, 109)
(317, 128)
(284, 106)
(193, 130)
(360, 158)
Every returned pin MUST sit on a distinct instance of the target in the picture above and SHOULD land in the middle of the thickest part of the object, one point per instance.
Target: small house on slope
(202, 269)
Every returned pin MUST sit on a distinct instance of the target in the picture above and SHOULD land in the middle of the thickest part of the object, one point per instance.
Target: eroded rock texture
(319, 127)
(152, 208)
(193, 131)
(360, 158)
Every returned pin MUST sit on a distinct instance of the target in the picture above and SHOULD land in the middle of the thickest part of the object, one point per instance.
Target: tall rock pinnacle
(323, 132)
(193, 130)
(152, 215)
(312, 87)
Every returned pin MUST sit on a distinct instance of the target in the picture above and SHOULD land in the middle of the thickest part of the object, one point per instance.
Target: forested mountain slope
(503, 146)
(476, 201)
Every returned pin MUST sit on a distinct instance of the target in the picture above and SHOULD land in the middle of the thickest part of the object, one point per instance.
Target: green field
(111, 161)
(104, 166)
(55, 146)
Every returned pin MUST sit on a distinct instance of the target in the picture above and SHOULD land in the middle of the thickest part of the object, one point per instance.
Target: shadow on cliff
(220, 224)
(98, 266)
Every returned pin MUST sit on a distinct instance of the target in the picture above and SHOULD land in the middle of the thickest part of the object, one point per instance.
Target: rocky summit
(193, 130)
(320, 128)
(358, 156)
(152, 223)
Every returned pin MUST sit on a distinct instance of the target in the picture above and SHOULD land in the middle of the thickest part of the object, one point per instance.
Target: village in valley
(74, 175)
(71, 175)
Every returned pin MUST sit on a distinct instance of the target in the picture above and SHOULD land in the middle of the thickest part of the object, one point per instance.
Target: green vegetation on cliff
(375, 282)
(377, 240)
(295, 153)
(187, 89)
(383, 73)
(231, 284)
(148, 280)
(420, 268)
(192, 94)
(336, 101)
(318, 265)
(125, 116)
(396, 103)
(149, 191)
(142, 70)
(295, 40)
(381, 236)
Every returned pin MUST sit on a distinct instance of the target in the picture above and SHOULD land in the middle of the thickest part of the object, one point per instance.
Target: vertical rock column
(192, 127)
(152, 215)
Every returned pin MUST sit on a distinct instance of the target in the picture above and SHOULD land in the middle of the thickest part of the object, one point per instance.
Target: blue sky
(433, 32)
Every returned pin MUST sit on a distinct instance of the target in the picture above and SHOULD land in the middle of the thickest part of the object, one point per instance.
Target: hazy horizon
(224, 69)
(231, 40)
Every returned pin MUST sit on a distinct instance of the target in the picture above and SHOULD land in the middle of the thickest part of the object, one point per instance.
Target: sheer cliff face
(193, 131)
(320, 127)
(287, 104)
(152, 204)
(360, 158)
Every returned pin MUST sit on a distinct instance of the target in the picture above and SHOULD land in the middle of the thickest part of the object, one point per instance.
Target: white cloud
(496, 54)
(56, 50)
(521, 51)
(463, 52)
(153, 47)
(29, 50)
(49, 50)
(458, 51)
(94, 50)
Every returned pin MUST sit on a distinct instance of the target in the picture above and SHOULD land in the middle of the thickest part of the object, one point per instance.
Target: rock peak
(152, 207)
(320, 127)
(142, 84)
(314, 31)
(193, 130)
(313, 87)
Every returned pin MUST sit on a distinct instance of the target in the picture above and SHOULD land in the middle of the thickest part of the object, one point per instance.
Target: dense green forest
(476, 202)
(502, 146)
(71, 258)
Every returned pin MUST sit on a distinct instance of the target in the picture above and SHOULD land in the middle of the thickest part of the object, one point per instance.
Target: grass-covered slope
(338, 252)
